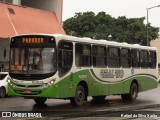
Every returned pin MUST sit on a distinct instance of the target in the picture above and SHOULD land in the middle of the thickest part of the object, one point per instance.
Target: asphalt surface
(112, 106)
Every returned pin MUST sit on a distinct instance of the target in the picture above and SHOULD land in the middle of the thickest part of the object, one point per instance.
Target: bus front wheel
(40, 100)
(132, 94)
(79, 96)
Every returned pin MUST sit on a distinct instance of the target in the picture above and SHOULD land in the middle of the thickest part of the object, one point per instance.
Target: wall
(17, 2)
(3, 46)
(49, 5)
(156, 43)
(6, 1)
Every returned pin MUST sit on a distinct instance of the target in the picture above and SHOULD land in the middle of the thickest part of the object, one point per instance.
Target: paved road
(143, 114)
(63, 109)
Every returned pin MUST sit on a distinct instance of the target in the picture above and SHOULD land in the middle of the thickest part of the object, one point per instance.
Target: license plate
(27, 91)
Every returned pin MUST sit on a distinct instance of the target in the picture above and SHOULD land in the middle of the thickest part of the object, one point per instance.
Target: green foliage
(102, 25)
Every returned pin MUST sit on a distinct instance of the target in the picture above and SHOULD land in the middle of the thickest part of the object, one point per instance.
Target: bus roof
(103, 42)
(93, 41)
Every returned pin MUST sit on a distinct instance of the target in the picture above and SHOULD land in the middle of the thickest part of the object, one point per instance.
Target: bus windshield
(38, 60)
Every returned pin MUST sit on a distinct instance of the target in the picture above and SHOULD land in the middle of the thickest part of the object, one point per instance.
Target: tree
(100, 26)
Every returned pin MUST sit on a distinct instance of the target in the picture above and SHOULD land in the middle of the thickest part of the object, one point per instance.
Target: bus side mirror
(4, 53)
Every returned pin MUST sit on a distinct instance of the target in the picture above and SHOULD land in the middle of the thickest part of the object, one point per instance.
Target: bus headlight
(48, 84)
(8, 80)
(52, 81)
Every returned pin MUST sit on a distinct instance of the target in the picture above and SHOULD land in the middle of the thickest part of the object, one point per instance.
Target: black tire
(132, 94)
(99, 97)
(2, 92)
(40, 100)
(79, 96)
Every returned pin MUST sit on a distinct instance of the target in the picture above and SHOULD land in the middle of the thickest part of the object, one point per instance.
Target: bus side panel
(116, 88)
(94, 87)
(147, 83)
(51, 92)
(11, 91)
(105, 89)
(144, 83)
(64, 88)
(67, 85)
(126, 85)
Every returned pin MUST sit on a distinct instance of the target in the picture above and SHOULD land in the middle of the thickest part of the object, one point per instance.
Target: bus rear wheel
(40, 100)
(79, 96)
(132, 94)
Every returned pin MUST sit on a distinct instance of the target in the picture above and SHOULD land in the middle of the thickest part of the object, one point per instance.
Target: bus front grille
(29, 86)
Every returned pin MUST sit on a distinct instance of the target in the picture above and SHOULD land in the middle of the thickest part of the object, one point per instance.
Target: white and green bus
(58, 66)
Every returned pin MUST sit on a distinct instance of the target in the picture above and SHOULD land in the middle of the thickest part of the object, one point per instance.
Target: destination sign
(33, 40)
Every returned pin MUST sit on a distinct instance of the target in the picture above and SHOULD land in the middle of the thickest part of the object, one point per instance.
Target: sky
(115, 8)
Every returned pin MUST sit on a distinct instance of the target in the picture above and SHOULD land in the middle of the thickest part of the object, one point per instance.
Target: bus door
(65, 60)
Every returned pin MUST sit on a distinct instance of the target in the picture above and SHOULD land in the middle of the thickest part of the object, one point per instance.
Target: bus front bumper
(49, 91)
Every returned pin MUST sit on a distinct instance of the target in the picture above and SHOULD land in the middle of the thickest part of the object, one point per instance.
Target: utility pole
(147, 22)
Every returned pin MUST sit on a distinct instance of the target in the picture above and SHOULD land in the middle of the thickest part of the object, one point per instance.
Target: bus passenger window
(135, 58)
(83, 55)
(99, 56)
(67, 59)
(152, 59)
(114, 59)
(125, 58)
(144, 58)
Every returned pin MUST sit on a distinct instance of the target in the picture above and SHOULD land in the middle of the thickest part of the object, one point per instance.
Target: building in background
(27, 16)
(156, 43)
(48, 5)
